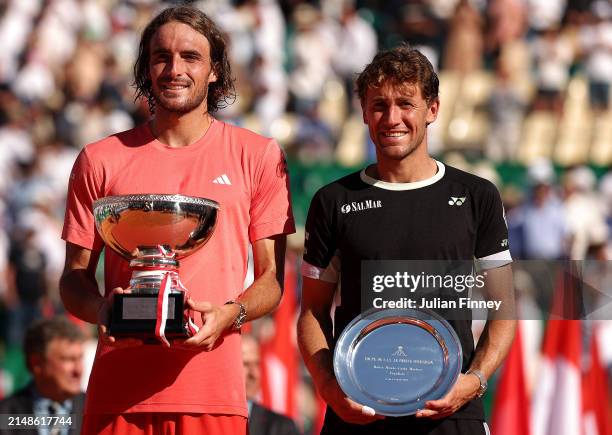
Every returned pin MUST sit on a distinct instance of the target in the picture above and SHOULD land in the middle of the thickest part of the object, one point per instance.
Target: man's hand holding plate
(347, 409)
(464, 390)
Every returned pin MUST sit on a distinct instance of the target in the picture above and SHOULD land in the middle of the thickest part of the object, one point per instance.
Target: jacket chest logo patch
(360, 205)
(456, 200)
(222, 179)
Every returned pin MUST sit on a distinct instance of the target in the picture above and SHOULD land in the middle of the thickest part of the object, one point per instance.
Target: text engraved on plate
(398, 367)
(144, 309)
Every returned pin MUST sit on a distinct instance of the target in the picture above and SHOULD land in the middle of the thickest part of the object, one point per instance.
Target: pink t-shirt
(246, 174)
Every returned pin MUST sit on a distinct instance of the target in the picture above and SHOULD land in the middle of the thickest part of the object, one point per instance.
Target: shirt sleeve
(270, 210)
(321, 258)
(83, 190)
(492, 248)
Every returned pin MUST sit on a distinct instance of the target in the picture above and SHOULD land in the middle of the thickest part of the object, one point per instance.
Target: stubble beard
(180, 105)
(408, 150)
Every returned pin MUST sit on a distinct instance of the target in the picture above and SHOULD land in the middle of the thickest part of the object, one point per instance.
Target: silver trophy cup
(153, 232)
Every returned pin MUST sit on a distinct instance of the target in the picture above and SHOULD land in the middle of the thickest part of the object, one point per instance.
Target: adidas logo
(222, 179)
(454, 200)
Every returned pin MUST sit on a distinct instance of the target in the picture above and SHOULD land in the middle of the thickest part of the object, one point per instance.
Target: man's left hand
(464, 390)
(215, 321)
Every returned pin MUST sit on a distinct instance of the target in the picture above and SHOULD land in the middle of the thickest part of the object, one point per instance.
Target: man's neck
(180, 130)
(50, 392)
(413, 168)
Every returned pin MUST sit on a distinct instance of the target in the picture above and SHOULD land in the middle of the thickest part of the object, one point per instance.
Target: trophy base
(134, 315)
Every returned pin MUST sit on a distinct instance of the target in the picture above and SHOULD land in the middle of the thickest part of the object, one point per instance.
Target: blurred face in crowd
(252, 372)
(541, 192)
(180, 68)
(58, 372)
(397, 116)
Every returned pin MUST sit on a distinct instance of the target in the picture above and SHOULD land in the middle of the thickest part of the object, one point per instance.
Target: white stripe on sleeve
(492, 261)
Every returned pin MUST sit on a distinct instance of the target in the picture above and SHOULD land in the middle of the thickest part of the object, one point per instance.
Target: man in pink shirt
(197, 386)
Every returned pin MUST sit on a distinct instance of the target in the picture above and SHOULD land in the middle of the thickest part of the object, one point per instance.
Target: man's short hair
(220, 91)
(42, 332)
(401, 65)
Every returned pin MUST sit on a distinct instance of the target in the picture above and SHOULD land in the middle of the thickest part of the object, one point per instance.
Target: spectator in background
(585, 214)
(357, 43)
(46, 227)
(26, 281)
(553, 56)
(262, 421)
(54, 357)
(596, 45)
(506, 111)
(314, 138)
(28, 187)
(269, 77)
(506, 24)
(34, 81)
(420, 27)
(464, 48)
(605, 187)
(544, 14)
(312, 48)
(15, 140)
(539, 224)
(270, 92)
(55, 162)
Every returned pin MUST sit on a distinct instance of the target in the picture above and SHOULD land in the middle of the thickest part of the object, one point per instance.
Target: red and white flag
(319, 418)
(557, 399)
(280, 363)
(511, 408)
(595, 397)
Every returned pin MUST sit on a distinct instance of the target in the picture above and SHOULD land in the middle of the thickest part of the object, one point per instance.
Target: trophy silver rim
(353, 335)
(122, 200)
(110, 208)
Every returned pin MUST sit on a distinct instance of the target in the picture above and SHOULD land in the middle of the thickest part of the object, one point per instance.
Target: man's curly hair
(220, 93)
(402, 65)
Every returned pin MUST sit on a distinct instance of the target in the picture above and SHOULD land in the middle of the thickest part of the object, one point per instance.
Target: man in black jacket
(54, 356)
(262, 421)
(405, 207)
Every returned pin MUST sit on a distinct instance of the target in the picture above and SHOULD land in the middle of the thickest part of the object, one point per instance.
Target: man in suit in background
(262, 421)
(54, 356)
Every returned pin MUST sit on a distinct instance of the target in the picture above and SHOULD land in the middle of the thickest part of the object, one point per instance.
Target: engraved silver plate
(395, 360)
(139, 309)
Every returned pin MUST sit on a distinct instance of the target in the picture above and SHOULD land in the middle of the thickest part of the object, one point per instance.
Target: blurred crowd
(525, 91)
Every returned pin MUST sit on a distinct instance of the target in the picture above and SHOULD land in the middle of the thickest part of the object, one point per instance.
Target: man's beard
(180, 105)
(410, 149)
